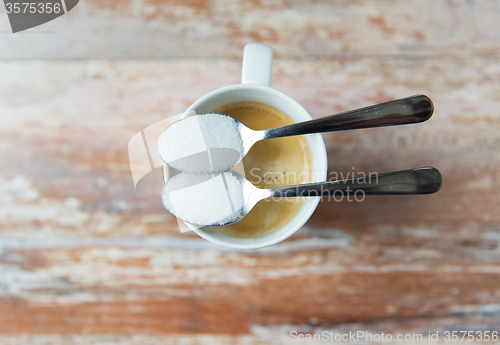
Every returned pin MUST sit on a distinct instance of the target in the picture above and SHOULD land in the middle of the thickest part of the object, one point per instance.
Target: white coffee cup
(255, 87)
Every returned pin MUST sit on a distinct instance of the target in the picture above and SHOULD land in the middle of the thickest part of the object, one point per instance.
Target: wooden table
(85, 259)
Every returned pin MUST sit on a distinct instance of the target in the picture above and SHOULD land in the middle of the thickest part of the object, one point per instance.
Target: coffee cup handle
(257, 64)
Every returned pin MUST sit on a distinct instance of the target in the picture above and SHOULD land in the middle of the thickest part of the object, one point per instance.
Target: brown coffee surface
(270, 163)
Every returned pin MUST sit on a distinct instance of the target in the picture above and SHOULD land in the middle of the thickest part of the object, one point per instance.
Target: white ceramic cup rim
(277, 99)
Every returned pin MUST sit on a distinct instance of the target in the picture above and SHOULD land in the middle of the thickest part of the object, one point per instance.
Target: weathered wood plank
(220, 28)
(81, 253)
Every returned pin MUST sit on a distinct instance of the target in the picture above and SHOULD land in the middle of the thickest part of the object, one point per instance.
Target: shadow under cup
(282, 102)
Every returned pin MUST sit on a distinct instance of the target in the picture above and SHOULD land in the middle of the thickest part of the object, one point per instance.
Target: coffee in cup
(270, 163)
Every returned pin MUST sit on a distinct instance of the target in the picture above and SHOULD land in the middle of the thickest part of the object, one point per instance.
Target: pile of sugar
(203, 199)
(201, 144)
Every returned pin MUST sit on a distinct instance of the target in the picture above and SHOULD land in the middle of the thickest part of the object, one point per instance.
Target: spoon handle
(402, 111)
(414, 181)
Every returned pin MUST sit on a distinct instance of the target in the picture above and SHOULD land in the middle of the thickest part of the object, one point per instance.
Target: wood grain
(83, 254)
(85, 259)
(220, 28)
